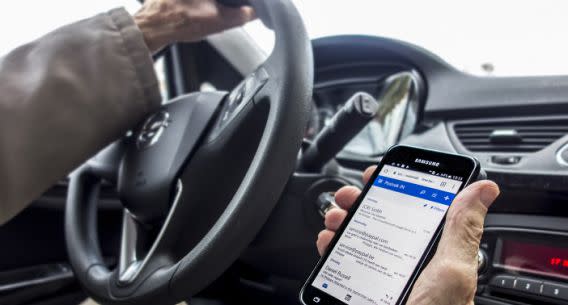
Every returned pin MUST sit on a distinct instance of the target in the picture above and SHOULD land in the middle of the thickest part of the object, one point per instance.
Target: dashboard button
(555, 290)
(528, 285)
(503, 281)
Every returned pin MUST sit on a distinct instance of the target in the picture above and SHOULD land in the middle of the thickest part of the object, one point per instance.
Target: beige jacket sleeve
(64, 97)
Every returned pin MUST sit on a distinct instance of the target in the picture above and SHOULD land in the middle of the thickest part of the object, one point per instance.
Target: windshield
(487, 38)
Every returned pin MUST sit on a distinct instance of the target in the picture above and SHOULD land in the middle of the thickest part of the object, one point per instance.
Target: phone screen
(387, 235)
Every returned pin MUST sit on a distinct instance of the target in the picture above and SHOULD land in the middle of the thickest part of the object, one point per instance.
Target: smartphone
(388, 234)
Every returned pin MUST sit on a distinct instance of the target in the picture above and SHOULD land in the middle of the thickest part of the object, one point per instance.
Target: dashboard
(517, 128)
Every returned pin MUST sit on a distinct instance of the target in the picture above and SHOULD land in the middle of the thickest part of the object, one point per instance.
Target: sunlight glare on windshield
(484, 37)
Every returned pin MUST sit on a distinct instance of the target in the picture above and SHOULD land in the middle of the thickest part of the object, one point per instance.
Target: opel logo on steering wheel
(152, 129)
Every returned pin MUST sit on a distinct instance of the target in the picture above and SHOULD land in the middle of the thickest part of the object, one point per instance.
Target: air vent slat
(524, 141)
(481, 135)
(511, 136)
(554, 135)
(504, 148)
(517, 128)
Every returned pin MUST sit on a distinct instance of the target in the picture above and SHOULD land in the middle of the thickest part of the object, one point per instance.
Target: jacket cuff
(140, 57)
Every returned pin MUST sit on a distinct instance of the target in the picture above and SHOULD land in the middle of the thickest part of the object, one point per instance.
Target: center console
(523, 260)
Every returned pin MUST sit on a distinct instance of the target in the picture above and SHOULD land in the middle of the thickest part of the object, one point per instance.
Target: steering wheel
(198, 178)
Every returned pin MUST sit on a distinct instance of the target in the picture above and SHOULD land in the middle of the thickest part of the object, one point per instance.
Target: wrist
(155, 32)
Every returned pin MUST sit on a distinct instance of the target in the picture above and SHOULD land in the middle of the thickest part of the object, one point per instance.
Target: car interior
(239, 196)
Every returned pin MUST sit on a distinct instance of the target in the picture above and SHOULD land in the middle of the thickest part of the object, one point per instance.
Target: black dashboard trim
(452, 94)
(531, 223)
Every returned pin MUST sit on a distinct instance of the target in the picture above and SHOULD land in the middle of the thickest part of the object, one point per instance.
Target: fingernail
(488, 195)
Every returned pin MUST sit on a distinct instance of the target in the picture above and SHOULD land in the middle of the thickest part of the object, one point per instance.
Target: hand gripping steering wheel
(197, 179)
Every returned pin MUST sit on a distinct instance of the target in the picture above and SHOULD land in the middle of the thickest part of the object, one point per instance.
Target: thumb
(232, 17)
(464, 224)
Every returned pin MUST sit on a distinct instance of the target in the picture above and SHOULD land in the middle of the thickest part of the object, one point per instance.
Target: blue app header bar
(415, 190)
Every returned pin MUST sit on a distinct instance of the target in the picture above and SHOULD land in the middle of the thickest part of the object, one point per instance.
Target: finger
(324, 238)
(346, 196)
(368, 173)
(334, 218)
(233, 17)
(464, 225)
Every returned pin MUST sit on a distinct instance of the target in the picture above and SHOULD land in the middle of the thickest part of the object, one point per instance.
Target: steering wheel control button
(562, 155)
(255, 82)
(317, 300)
(555, 290)
(243, 94)
(248, 88)
(528, 285)
(503, 281)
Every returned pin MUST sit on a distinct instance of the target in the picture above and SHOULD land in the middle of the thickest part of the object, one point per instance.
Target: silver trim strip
(129, 265)
(559, 158)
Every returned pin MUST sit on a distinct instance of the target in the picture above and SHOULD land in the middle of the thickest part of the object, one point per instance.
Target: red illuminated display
(535, 258)
(557, 261)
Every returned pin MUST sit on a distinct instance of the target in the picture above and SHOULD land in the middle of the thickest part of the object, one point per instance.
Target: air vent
(511, 136)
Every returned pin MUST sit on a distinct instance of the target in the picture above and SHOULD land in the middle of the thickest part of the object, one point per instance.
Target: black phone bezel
(454, 164)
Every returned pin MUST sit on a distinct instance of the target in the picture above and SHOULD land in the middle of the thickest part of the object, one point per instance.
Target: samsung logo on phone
(427, 162)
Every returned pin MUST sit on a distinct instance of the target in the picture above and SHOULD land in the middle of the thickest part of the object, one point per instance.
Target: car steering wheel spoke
(138, 246)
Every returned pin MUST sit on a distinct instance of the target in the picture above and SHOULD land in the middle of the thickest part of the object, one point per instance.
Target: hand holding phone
(435, 285)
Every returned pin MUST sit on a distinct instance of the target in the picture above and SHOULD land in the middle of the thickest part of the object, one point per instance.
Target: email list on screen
(381, 246)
